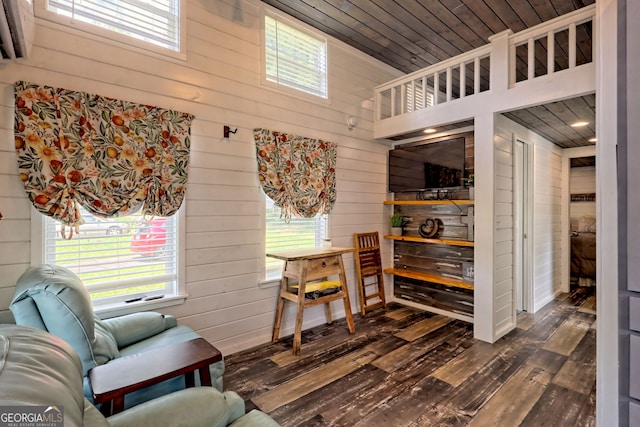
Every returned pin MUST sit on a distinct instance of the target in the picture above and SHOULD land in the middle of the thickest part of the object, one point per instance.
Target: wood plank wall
(547, 221)
(503, 211)
(220, 84)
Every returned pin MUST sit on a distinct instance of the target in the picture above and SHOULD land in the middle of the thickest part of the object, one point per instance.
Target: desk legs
(280, 307)
(301, 303)
(302, 288)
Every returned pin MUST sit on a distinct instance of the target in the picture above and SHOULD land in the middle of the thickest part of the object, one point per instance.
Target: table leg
(118, 405)
(189, 380)
(107, 408)
(327, 313)
(205, 376)
(280, 306)
(345, 298)
(302, 288)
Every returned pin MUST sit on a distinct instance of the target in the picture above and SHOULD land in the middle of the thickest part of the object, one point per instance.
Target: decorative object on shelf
(397, 222)
(468, 219)
(468, 182)
(431, 228)
(468, 271)
(326, 244)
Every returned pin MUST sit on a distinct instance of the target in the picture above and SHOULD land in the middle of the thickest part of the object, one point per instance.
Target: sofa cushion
(132, 328)
(39, 369)
(54, 299)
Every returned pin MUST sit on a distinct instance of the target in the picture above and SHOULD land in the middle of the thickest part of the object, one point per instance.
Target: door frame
(565, 226)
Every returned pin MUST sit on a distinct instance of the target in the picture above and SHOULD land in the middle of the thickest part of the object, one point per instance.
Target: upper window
(298, 233)
(157, 22)
(295, 59)
(122, 259)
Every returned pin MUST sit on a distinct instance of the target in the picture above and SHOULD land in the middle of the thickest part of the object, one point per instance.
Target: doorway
(582, 222)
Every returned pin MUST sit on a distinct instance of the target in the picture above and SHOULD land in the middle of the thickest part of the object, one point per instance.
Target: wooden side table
(111, 381)
(303, 266)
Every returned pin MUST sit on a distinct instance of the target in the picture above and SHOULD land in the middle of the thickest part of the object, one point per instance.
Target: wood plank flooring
(404, 367)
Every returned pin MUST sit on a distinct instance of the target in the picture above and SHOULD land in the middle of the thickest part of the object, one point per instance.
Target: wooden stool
(305, 266)
(368, 264)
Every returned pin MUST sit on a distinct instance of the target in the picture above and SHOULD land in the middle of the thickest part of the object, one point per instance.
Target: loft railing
(435, 85)
(552, 46)
(561, 43)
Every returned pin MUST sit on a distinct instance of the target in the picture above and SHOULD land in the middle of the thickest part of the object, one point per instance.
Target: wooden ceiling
(555, 121)
(412, 34)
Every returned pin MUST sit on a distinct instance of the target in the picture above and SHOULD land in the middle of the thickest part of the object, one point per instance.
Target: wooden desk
(111, 381)
(304, 266)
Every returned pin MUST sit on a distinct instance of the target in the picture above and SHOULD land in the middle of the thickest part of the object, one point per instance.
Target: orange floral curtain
(297, 173)
(112, 157)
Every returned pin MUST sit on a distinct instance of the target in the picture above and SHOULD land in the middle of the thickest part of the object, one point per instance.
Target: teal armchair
(53, 299)
(40, 370)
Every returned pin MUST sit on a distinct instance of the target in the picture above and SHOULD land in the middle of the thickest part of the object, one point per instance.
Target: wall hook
(227, 131)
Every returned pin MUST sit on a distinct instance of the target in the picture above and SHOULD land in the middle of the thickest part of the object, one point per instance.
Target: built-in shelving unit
(433, 241)
(428, 277)
(431, 273)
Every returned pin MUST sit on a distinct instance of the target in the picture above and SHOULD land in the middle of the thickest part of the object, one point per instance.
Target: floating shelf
(436, 241)
(429, 202)
(433, 278)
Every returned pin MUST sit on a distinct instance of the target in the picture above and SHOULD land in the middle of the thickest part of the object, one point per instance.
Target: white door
(522, 213)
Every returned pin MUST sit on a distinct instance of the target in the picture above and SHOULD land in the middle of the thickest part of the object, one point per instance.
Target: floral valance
(110, 156)
(297, 173)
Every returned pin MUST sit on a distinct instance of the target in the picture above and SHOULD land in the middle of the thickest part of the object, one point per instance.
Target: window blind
(295, 59)
(118, 258)
(298, 233)
(154, 21)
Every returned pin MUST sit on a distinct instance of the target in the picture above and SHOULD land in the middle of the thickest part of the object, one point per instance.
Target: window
(158, 22)
(416, 99)
(118, 258)
(299, 233)
(294, 59)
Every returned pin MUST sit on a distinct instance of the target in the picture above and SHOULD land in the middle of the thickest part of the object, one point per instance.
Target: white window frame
(116, 38)
(117, 308)
(308, 31)
(273, 275)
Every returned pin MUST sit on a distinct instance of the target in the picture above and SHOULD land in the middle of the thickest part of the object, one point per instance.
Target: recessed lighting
(579, 124)
(593, 139)
(430, 130)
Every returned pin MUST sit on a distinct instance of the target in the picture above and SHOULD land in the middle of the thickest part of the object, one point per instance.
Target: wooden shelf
(435, 241)
(419, 306)
(429, 202)
(433, 278)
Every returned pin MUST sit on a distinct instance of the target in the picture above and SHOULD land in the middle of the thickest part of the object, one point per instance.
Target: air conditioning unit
(16, 29)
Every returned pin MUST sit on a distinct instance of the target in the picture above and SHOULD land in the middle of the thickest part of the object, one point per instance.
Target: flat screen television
(427, 166)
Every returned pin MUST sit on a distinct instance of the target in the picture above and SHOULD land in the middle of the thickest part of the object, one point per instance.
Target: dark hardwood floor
(405, 367)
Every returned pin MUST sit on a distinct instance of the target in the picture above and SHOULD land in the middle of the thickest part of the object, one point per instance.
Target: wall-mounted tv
(427, 166)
